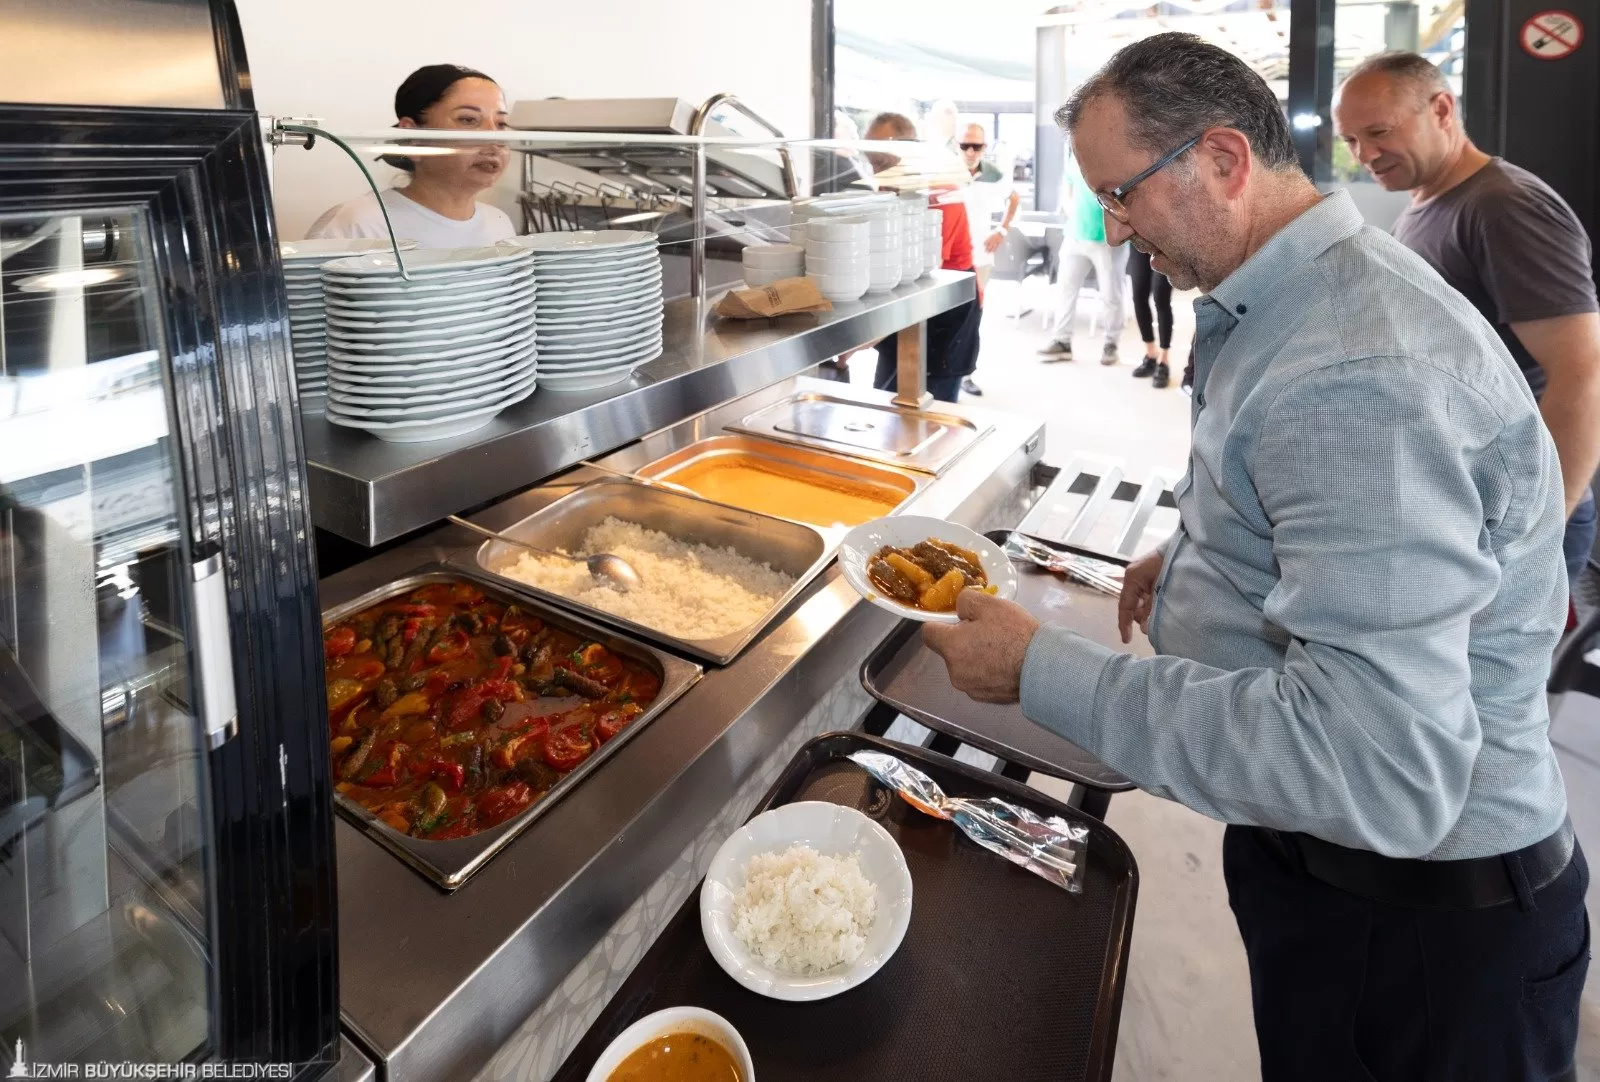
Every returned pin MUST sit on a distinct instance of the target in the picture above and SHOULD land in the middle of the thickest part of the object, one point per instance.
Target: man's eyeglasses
(1112, 201)
(972, 146)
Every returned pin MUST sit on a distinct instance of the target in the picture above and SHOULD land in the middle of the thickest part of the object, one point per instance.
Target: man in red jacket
(952, 335)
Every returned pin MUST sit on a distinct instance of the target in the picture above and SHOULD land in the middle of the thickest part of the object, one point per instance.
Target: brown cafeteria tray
(1001, 975)
(450, 863)
(908, 676)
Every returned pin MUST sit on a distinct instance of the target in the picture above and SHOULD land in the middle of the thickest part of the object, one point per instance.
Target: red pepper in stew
(339, 642)
(448, 648)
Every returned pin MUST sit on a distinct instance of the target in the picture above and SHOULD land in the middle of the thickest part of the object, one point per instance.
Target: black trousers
(1150, 283)
(1350, 990)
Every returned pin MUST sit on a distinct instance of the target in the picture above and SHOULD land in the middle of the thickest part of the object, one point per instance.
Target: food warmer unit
(166, 839)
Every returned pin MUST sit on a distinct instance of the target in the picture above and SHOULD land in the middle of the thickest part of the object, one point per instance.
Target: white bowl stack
(932, 240)
(433, 357)
(912, 204)
(768, 263)
(888, 240)
(838, 256)
(302, 280)
(599, 307)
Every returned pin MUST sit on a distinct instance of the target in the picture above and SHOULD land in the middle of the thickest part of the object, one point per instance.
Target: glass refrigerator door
(108, 675)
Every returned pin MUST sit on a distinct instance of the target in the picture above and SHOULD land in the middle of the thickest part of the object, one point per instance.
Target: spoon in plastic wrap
(608, 570)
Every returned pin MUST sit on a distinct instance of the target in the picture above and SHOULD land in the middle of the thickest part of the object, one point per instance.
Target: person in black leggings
(1147, 283)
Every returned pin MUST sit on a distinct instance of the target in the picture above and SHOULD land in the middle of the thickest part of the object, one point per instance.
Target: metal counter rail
(370, 491)
(434, 984)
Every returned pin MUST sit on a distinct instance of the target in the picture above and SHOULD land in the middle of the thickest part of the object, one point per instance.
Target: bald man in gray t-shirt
(1505, 240)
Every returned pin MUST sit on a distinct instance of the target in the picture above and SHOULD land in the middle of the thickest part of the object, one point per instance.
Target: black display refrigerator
(166, 844)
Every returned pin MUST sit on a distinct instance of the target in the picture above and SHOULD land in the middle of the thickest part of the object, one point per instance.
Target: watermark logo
(22, 1068)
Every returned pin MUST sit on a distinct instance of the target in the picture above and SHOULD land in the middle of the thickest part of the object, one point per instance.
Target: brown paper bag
(781, 298)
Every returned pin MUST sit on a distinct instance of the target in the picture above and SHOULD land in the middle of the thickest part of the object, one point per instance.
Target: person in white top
(438, 207)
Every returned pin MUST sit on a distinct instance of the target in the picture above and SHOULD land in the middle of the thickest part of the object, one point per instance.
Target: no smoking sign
(1552, 35)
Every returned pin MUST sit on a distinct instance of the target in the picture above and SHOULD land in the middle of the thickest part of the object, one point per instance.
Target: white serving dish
(426, 262)
(437, 359)
(383, 327)
(904, 531)
(428, 406)
(460, 287)
(772, 255)
(758, 279)
(849, 227)
(665, 1024)
(586, 381)
(461, 393)
(832, 830)
(325, 248)
(407, 345)
(639, 264)
(583, 240)
(843, 291)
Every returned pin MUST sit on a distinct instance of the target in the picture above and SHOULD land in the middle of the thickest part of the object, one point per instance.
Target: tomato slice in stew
(612, 722)
(501, 802)
(448, 648)
(568, 748)
(339, 641)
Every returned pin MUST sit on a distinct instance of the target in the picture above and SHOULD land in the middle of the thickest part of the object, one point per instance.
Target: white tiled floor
(1186, 1013)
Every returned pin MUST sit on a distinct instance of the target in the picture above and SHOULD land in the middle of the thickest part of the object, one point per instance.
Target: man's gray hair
(1417, 72)
(1174, 86)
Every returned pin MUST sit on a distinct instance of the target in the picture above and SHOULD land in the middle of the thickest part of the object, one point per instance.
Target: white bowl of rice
(806, 901)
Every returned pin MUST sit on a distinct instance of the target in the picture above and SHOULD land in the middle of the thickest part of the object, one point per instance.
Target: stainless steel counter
(435, 983)
(370, 491)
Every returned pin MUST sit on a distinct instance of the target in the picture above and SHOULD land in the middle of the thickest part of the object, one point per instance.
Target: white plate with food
(916, 566)
(806, 901)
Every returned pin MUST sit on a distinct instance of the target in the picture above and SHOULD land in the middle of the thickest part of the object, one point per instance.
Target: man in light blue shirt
(1354, 620)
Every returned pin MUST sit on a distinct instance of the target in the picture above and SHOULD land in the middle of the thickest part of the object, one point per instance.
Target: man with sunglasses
(1353, 620)
(1501, 236)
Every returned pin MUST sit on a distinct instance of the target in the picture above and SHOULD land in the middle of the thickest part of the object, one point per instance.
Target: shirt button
(1200, 399)
(1240, 309)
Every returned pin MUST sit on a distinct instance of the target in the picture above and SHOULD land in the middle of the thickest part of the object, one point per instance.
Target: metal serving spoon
(607, 569)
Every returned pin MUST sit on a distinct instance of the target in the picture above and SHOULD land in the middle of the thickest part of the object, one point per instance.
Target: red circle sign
(1552, 35)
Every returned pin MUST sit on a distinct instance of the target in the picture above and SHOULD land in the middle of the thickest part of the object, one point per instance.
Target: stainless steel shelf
(370, 491)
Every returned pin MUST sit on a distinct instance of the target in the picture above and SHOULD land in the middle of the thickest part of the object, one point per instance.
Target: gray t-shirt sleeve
(1533, 256)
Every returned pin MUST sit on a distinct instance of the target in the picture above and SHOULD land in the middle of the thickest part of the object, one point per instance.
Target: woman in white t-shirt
(438, 206)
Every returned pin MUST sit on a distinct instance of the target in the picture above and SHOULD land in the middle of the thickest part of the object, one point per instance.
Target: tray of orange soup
(814, 487)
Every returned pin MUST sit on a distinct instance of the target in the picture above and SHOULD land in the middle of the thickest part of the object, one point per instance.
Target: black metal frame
(200, 177)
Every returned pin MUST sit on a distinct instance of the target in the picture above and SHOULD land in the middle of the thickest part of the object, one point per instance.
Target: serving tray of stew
(459, 712)
(1034, 974)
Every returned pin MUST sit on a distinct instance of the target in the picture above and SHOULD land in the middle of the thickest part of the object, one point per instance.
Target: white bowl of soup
(679, 1044)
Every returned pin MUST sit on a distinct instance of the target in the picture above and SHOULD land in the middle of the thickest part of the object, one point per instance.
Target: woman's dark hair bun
(422, 90)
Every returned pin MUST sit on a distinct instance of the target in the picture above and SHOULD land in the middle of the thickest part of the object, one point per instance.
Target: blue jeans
(1578, 541)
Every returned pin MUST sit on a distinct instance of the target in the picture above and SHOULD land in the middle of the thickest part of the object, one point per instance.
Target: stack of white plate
(932, 240)
(912, 204)
(302, 279)
(433, 357)
(838, 257)
(768, 263)
(599, 306)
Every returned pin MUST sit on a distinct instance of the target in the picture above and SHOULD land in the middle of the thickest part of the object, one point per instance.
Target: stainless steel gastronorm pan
(791, 547)
(450, 863)
(896, 484)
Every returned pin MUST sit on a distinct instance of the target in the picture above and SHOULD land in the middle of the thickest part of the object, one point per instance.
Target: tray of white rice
(712, 576)
(998, 972)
